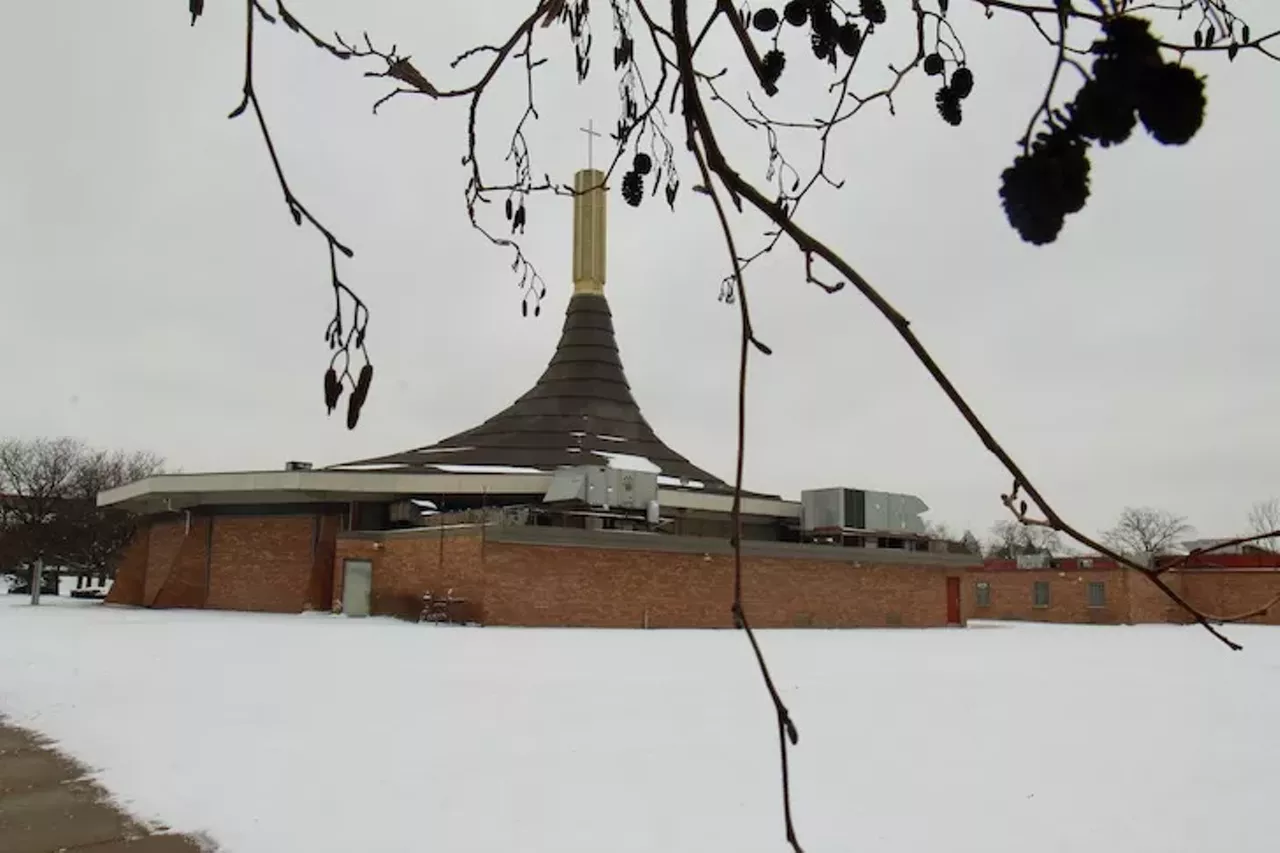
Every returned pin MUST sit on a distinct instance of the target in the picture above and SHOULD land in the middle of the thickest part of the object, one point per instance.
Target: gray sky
(156, 294)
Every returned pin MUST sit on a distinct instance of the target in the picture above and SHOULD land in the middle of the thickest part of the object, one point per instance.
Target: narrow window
(1097, 594)
(983, 593)
(1040, 594)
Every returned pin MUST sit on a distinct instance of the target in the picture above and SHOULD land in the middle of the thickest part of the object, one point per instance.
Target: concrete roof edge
(320, 485)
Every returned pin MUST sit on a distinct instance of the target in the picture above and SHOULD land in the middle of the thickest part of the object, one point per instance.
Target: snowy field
(318, 733)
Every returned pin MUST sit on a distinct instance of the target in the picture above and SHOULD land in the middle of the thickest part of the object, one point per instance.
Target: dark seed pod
(1103, 113)
(509, 207)
(765, 20)
(849, 38)
(772, 63)
(643, 163)
(962, 82)
(332, 389)
(363, 382)
(873, 11)
(948, 106)
(934, 64)
(633, 188)
(354, 404)
(796, 12)
(1171, 104)
(1041, 188)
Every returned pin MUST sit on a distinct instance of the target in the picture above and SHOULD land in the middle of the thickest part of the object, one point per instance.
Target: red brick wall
(289, 563)
(261, 563)
(165, 540)
(1012, 596)
(538, 585)
(1228, 593)
(184, 581)
(320, 594)
(408, 565)
(131, 570)
(1148, 604)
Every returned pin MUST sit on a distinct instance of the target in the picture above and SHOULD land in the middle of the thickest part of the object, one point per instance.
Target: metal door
(357, 582)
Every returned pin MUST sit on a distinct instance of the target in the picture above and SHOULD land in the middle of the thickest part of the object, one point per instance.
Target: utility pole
(37, 580)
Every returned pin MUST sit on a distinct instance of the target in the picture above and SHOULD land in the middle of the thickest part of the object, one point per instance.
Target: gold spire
(588, 231)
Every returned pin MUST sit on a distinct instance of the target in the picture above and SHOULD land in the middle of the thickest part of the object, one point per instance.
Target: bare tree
(1145, 532)
(48, 493)
(35, 477)
(671, 59)
(94, 536)
(970, 543)
(938, 530)
(1010, 539)
(1264, 517)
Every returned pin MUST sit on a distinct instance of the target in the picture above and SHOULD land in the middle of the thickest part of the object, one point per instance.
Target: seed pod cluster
(1131, 82)
(633, 181)
(515, 215)
(948, 98)
(828, 36)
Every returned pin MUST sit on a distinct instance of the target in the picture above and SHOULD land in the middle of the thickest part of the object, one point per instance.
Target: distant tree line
(49, 504)
(1139, 532)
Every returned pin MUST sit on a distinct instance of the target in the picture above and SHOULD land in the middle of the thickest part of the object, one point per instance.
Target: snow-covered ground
(319, 733)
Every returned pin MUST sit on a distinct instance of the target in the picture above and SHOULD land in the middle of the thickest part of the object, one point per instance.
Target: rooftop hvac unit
(297, 466)
(1033, 561)
(597, 486)
(858, 509)
(404, 511)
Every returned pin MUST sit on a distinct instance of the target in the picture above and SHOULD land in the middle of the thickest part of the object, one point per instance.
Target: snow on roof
(664, 480)
(628, 462)
(487, 469)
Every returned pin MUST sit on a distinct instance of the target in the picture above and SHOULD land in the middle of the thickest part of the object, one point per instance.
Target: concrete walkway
(47, 805)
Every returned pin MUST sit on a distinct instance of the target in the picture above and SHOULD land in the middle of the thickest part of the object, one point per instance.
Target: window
(983, 593)
(1040, 594)
(1097, 594)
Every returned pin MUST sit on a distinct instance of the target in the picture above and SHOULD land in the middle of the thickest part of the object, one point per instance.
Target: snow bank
(320, 733)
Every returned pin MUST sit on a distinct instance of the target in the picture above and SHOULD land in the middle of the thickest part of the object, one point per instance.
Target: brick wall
(262, 562)
(165, 538)
(536, 576)
(1231, 592)
(131, 570)
(1011, 595)
(185, 578)
(408, 564)
(543, 585)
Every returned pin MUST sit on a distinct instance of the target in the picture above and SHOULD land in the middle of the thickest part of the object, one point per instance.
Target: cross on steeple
(591, 133)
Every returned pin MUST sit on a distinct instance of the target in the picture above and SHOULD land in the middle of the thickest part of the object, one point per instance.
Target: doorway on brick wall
(953, 601)
(357, 584)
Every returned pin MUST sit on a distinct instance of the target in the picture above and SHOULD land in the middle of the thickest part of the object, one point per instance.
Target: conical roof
(579, 412)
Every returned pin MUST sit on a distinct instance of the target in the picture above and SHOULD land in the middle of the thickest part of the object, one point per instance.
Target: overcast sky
(156, 294)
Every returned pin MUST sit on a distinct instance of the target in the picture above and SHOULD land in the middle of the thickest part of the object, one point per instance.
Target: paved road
(48, 806)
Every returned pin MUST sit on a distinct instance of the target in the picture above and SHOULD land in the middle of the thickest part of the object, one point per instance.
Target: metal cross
(591, 133)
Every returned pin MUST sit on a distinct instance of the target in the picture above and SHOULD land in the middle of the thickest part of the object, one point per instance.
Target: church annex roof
(579, 412)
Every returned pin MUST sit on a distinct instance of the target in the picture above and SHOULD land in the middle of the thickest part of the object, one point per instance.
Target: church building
(564, 509)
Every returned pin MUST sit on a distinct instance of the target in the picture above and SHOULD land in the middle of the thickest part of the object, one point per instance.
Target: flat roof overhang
(177, 492)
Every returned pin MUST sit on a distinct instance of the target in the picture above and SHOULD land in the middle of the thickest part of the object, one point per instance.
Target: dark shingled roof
(581, 403)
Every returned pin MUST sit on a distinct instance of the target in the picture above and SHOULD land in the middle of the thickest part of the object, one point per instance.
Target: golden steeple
(589, 231)
(589, 226)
